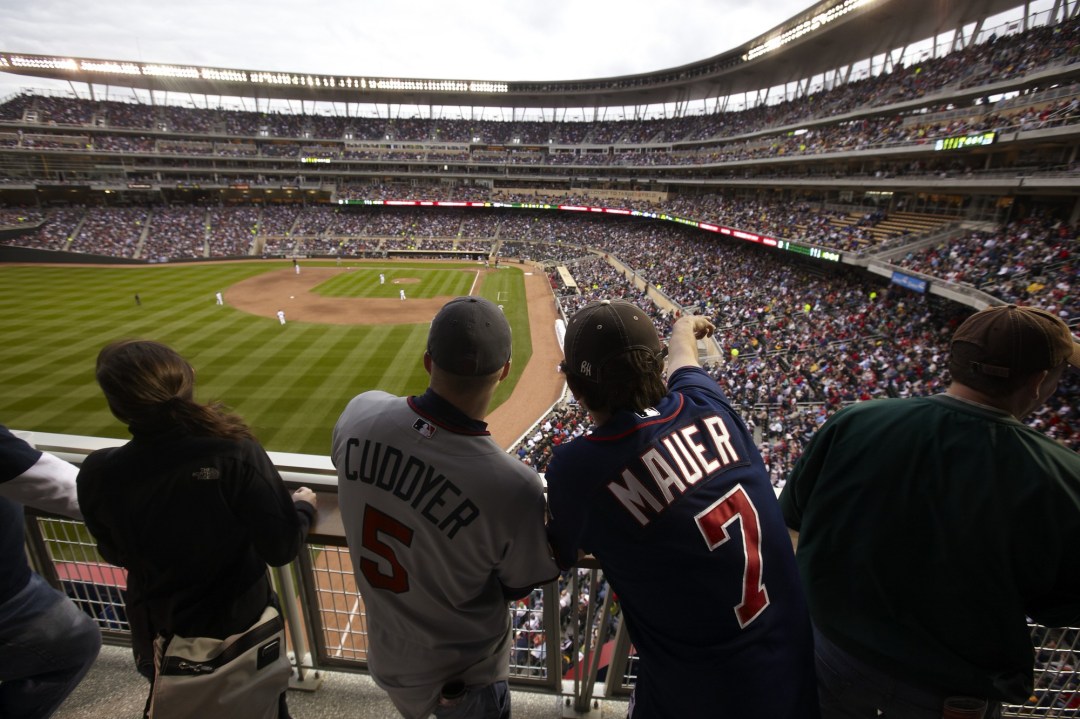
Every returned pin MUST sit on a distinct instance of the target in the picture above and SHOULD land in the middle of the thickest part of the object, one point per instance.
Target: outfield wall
(30, 254)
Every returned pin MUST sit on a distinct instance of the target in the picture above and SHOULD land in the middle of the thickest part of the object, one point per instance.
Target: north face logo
(206, 473)
(585, 370)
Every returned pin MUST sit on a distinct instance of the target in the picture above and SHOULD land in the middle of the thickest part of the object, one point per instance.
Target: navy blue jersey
(676, 505)
(16, 457)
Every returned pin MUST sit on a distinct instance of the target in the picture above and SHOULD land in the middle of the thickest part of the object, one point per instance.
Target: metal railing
(566, 640)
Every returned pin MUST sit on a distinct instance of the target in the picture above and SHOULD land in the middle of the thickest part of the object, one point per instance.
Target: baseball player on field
(443, 526)
(672, 498)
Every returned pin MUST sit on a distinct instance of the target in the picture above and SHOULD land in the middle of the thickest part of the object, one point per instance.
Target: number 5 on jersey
(713, 524)
(375, 522)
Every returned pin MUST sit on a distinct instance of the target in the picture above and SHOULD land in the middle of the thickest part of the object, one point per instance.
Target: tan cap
(1010, 337)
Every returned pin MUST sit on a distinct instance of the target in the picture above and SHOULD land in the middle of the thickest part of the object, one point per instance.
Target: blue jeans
(848, 688)
(47, 644)
(484, 702)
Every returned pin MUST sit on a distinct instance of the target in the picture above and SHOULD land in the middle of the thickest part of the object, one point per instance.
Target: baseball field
(345, 332)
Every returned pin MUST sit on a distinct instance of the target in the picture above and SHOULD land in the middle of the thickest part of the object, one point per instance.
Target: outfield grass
(435, 281)
(290, 382)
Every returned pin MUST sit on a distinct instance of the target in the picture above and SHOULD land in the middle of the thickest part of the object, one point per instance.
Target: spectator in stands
(212, 509)
(719, 621)
(47, 644)
(437, 578)
(928, 528)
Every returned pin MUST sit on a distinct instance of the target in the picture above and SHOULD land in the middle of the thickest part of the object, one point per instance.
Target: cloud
(501, 40)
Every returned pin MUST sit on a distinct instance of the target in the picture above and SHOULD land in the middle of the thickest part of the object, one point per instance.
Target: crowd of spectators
(888, 130)
(994, 60)
(20, 216)
(175, 233)
(1010, 262)
(856, 115)
(232, 230)
(112, 231)
(279, 220)
(1030, 261)
(792, 345)
(56, 231)
(846, 228)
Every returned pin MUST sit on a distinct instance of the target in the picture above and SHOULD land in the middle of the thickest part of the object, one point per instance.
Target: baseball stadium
(837, 195)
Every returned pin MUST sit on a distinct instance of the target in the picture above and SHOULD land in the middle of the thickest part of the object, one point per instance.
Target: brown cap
(605, 329)
(470, 337)
(1010, 337)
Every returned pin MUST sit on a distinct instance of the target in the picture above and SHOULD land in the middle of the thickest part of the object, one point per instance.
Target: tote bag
(240, 676)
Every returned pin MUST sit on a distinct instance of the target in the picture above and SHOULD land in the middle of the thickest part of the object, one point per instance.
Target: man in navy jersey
(47, 644)
(671, 496)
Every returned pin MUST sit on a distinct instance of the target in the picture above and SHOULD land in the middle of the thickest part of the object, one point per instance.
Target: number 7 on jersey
(713, 523)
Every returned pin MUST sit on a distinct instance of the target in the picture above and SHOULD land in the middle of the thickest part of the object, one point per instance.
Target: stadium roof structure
(829, 35)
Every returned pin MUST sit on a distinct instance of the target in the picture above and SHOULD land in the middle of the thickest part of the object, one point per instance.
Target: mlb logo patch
(425, 428)
(648, 413)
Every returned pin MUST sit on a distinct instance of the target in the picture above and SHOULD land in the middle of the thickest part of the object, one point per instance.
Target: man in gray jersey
(443, 526)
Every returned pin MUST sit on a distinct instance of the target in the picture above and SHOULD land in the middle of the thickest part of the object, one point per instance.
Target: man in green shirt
(929, 529)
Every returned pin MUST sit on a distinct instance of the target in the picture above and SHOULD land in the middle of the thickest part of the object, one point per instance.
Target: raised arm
(682, 348)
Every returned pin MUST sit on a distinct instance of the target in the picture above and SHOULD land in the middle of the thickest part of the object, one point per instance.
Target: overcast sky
(479, 39)
(430, 39)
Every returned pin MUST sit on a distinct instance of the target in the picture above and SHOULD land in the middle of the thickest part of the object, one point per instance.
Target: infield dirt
(539, 386)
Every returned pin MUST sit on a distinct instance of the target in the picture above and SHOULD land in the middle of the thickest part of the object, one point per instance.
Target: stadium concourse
(113, 690)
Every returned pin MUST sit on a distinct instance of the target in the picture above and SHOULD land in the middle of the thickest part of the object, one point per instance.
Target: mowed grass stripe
(506, 288)
(322, 387)
(322, 394)
(370, 364)
(290, 382)
(434, 281)
(397, 365)
(271, 390)
(47, 388)
(284, 384)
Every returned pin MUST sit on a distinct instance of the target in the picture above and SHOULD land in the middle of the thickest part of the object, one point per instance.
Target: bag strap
(179, 666)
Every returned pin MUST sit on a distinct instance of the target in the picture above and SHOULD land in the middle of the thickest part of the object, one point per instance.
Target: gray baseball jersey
(442, 527)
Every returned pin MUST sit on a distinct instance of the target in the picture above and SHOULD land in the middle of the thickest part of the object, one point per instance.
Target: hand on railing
(305, 494)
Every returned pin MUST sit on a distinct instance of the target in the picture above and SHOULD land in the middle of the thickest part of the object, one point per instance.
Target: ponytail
(148, 384)
(207, 420)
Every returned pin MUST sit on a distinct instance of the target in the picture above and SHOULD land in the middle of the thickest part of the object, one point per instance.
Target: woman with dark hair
(192, 506)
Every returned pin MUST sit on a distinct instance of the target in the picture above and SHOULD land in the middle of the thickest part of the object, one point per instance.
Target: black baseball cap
(1001, 340)
(469, 337)
(603, 330)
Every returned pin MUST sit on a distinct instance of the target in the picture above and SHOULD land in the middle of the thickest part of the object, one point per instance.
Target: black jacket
(195, 521)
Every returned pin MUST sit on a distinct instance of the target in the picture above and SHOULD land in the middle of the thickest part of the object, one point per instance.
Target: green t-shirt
(929, 530)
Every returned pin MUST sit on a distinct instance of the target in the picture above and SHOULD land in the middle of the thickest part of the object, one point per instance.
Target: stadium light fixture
(814, 24)
(249, 77)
